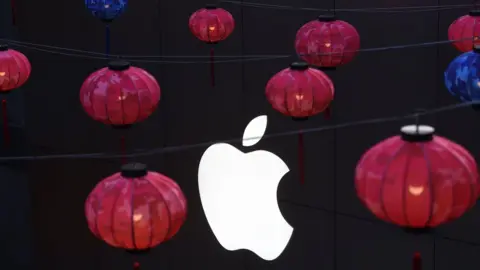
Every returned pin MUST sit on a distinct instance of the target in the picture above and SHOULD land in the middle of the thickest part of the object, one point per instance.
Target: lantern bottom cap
(138, 251)
(299, 118)
(417, 133)
(421, 230)
(121, 126)
(476, 107)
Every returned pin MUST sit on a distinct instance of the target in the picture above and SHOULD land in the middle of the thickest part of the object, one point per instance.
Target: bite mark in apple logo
(238, 192)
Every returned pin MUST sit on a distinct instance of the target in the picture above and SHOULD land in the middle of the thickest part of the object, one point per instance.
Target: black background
(43, 223)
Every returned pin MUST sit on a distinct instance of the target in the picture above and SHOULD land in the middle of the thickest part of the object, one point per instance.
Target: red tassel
(136, 266)
(417, 262)
(327, 113)
(123, 149)
(301, 165)
(6, 130)
(13, 10)
(212, 66)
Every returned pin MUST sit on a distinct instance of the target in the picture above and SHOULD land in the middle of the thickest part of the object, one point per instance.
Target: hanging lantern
(120, 95)
(15, 70)
(457, 73)
(135, 209)
(211, 25)
(417, 180)
(300, 92)
(107, 11)
(464, 32)
(462, 77)
(327, 42)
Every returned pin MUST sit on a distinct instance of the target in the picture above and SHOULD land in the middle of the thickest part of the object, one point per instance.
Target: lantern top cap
(134, 170)
(299, 66)
(417, 133)
(326, 18)
(3, 47)
(474, 13)
(210, 6)
(118, 65)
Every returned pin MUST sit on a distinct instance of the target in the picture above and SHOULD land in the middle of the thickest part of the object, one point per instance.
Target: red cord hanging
(300, 92)
(123, 149)
(211, 25)
(6, 129)
(417, 262)
(301, 157)
(136, 266)
(212, 66)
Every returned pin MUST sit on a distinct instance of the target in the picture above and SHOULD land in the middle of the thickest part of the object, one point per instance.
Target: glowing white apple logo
(238, 192)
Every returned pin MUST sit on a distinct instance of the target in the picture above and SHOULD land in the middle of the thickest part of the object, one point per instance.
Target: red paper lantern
(15, 69)
(300, 91)
(327, 42)
(120, 94)
(135, 209)
(465, 31)
(211, 25)
(417, 180)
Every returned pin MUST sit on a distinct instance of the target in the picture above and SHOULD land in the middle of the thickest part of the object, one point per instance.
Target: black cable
(371, 220)
(247, 58)
(163, 150)
(408, 9)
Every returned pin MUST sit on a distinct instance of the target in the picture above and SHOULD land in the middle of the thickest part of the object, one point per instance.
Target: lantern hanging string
(107, 40)
(405, 9)
(123, 149)
(212, 65)
(136, 266)
(301, 158)
(13, 8)
(6, 128)
(170, 149)
(242, 58)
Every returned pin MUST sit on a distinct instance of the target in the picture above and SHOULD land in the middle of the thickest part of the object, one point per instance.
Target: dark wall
(375, 84)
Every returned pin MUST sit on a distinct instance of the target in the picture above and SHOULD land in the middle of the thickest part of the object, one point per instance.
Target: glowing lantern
(211, 25)
(120, 95)
(327, 42)
(465, 31)
(107, 11)
(456, 75)
(300, 92)
(15, 70)
(135, 209)
(417, 180)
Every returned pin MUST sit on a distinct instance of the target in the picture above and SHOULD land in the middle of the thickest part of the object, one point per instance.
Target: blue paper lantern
(456, 75)
(106, 10)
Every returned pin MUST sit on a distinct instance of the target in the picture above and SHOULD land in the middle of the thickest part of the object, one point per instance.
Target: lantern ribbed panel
(300, 93)
(327, 43)
(120, 97)
(465, 31)
(15, 70)
(417, 185)
(211, 25)
(135, 214)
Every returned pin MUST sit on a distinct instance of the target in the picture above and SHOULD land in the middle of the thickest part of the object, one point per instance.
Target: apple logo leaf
(255, 130)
